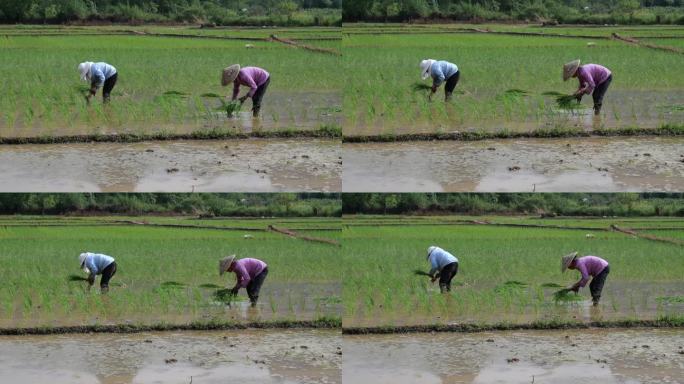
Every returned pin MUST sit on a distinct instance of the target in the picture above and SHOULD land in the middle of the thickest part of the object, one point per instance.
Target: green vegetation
(165, 275)
(382, 97)
(205, 205)
(549, 11)
(545, 204)
(206, 12)
(163, 74)
(506, 274)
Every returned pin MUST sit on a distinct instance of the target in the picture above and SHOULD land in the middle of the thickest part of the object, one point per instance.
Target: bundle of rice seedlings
(565, 295)
(419, 87)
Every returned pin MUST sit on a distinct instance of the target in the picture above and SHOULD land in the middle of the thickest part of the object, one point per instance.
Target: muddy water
(545, 165)
(254, 165)
(622, 108)
(571, 356)
(297, 356)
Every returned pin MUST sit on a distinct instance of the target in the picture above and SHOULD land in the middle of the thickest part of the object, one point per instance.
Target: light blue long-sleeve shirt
(97, 262)
(442, 70)
(440, 258)
(99, 72)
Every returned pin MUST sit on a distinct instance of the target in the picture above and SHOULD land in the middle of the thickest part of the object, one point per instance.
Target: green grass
(161, 80)
(164, 274)
(506, 274)
(382, 68)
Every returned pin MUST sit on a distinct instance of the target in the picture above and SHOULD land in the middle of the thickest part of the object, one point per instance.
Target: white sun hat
(225, 263)
(82, 258)
(425, 66)
(84, 69)
(566, 260)
(430, 250)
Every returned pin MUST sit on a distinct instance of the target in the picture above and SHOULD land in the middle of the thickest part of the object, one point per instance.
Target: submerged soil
(568, 356)
(246, 356)
(620, 300)
(621, 108)
(519, 165)
(280, 110)
(254, 165)
(277, 302)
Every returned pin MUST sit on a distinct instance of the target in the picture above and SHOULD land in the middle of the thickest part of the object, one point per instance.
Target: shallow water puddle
(568, 356)
(521, 165)
(254, 165)
(249, 356)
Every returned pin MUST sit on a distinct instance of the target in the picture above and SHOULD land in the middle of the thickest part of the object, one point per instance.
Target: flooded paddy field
(247, 356)
(609, 164)
(507, 274)
(264, 165)
(165, 275)
(184, 97)
(505, 84)
(565, 356)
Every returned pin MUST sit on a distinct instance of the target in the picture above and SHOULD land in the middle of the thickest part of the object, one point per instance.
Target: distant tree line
(204, 204)
(564, 204)
(553, 11)
(208, 12)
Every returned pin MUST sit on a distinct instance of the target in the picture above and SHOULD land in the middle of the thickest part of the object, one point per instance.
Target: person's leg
(453, 274)
(258, 96)
(445, 276)
(254, 286)
(598, 94)
(596, 285)
(106, 276)
(108, 86)
(451, 85)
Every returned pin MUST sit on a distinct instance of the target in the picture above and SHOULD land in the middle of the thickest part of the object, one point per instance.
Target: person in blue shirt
(444, 266)
(100, 75)
(98, 264)
(442, 72)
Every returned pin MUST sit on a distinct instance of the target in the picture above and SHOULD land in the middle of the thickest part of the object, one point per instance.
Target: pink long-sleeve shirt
(251, 77)
(591, 75)
(246, 269)
(589, 266)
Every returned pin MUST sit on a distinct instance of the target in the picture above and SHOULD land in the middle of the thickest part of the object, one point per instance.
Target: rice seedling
(164, 274)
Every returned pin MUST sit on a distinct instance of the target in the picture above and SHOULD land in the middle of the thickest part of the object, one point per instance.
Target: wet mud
(608, 164)
(254, 165)
(245, 356)
(567, 356)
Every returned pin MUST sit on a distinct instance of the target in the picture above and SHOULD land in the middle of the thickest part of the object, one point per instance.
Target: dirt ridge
(291, 233)
(646, 236)
(469, 328)
(305, 46)
(640, 43)
(323, 323)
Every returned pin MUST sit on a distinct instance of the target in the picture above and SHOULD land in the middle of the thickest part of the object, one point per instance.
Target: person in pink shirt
(593, 266)
(593, 79)
(249, 273)
(257, 79)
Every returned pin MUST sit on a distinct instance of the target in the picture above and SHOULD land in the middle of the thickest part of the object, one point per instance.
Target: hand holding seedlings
(444, 267)
(249, 273)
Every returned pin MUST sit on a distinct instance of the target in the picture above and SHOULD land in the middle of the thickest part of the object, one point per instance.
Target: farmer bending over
(587, 266)
(593, 79)
(255, 78)
(441, 71)
(100, 75)
(98, 264)
(249, 274)
(444, 266)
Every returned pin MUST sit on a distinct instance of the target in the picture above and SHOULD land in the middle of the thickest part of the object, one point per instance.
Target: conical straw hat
(570, 68)
(229, 74)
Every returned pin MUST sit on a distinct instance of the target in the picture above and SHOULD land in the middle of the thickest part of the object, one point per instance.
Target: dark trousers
(446, 275)
(254, 286)
(258, 96)
(108, 86)
(596, 285)
(107, 274)
(451, 85)
(599, 92)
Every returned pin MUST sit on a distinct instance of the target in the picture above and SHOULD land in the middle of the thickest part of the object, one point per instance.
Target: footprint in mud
(172, 170)
(514, 168)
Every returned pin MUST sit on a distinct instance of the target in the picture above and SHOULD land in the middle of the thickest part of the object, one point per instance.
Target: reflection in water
(524, 165)
(182, 166)
(208, 357)
(567, 356)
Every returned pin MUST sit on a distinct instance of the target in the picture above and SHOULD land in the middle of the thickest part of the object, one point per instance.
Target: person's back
(97, 262)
